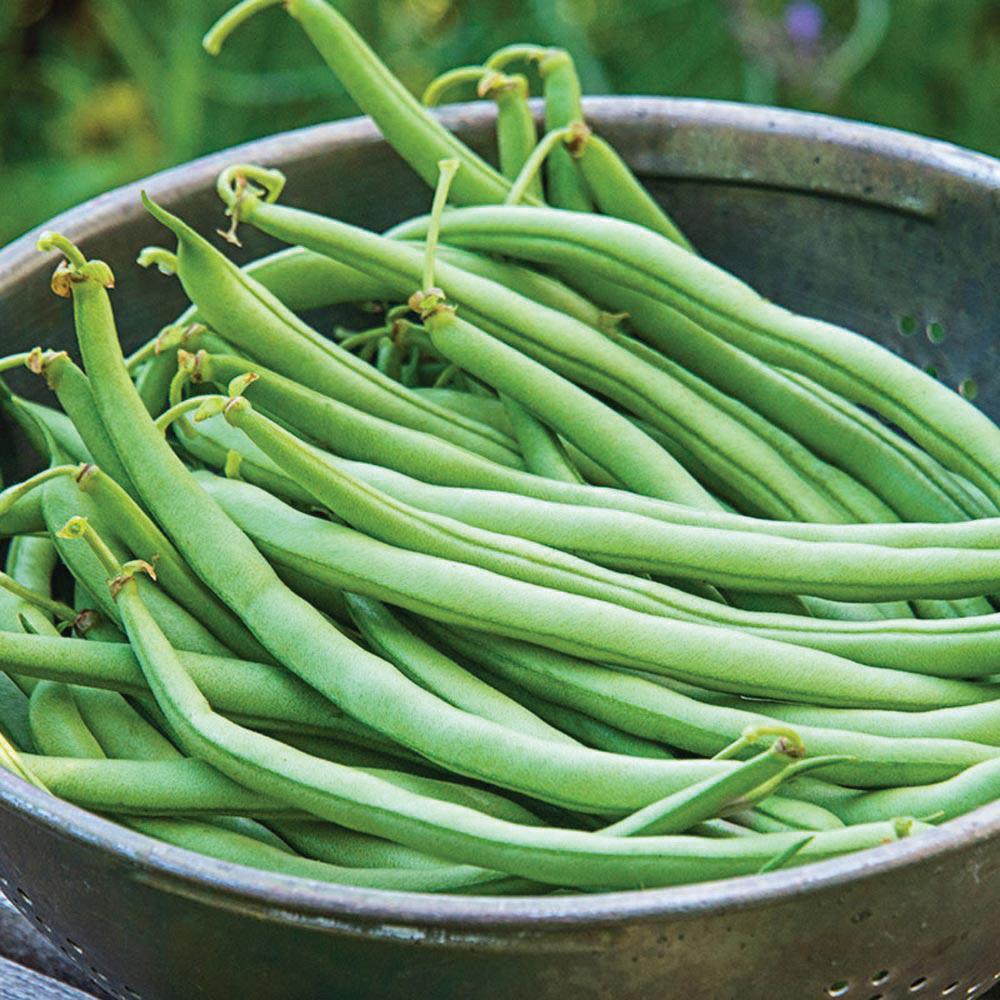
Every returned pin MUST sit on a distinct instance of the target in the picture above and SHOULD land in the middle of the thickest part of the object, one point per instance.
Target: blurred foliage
(94, 93)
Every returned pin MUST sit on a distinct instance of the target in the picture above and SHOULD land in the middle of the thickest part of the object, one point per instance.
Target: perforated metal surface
(856, 224)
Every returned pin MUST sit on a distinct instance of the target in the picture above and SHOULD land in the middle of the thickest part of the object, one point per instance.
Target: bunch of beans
(579, 566)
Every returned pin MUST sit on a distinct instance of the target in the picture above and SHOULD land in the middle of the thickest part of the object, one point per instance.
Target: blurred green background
(94, 93)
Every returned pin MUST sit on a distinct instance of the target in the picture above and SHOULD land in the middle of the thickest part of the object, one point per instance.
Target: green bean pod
(915, 485)
(421, 662)
(861, 568)
(618, 192)
(964, 647)
(371, 805)
(715, 797)
(639, 705)
(719, 658)
(73, 391)
(359, 435)
(413, 132)
(247, 315)
(145, 540)
(563, 106)
(952, 430)
(976, 786)
(61, 500)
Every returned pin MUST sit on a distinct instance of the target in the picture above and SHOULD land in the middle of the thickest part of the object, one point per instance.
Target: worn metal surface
(853, 223)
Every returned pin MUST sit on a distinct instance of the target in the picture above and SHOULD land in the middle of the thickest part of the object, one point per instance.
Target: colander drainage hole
(974, 989)
(968, 389)
(949, 989)
(918, 984)
(880, 977)
(838, 989)
(935, 332)
(907, 325)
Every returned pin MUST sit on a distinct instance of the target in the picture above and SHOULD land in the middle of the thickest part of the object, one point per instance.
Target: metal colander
(895, 236)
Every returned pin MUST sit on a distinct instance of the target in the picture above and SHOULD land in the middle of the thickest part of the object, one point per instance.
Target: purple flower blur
(804, 22)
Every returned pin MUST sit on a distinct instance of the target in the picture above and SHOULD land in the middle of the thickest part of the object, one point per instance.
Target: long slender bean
(950, 428)
(361, 802)
(231, 302)
(638, 705)
(724, 659)
(417, 135)
(301, 638)
(957, 647)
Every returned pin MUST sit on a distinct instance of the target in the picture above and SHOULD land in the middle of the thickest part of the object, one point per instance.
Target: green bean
(73, 391)
(121, 732)
(340, 846)
(951, 500)
(951, 429)
(934, 648)
(45, 427)
(247, 315)
(224, 448)
(349, 797)
(544, 453)
(23, 516)
(90, 723)
(616, 190)
(605, 176)
(463, 594)
(57, 728)
(360, 435)
(959, 647)
(30, 562)
(567, 346)
(563, 107)
(301, 638)
(237, 687)
(916, 486)
(303, 280)
(417, 135)
(145, 540)
(799, 815)
(861, 568)
(516, 139)
(421, 662)
(516, 132)
(135, 789)
(581, 727)
(642, 464)
(369, 509)
(639, 705)
(183, 786)
(608, 439)
(976, 786)
(61, 500)
(487, 409)
(860, 504)
(239, 849)
(855, 501)
(709, 799)
(979, 723)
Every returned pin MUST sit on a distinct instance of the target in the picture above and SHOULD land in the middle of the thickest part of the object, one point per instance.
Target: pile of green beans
(573, 564)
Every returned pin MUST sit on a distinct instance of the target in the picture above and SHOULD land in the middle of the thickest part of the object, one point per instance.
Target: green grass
(94, 93)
